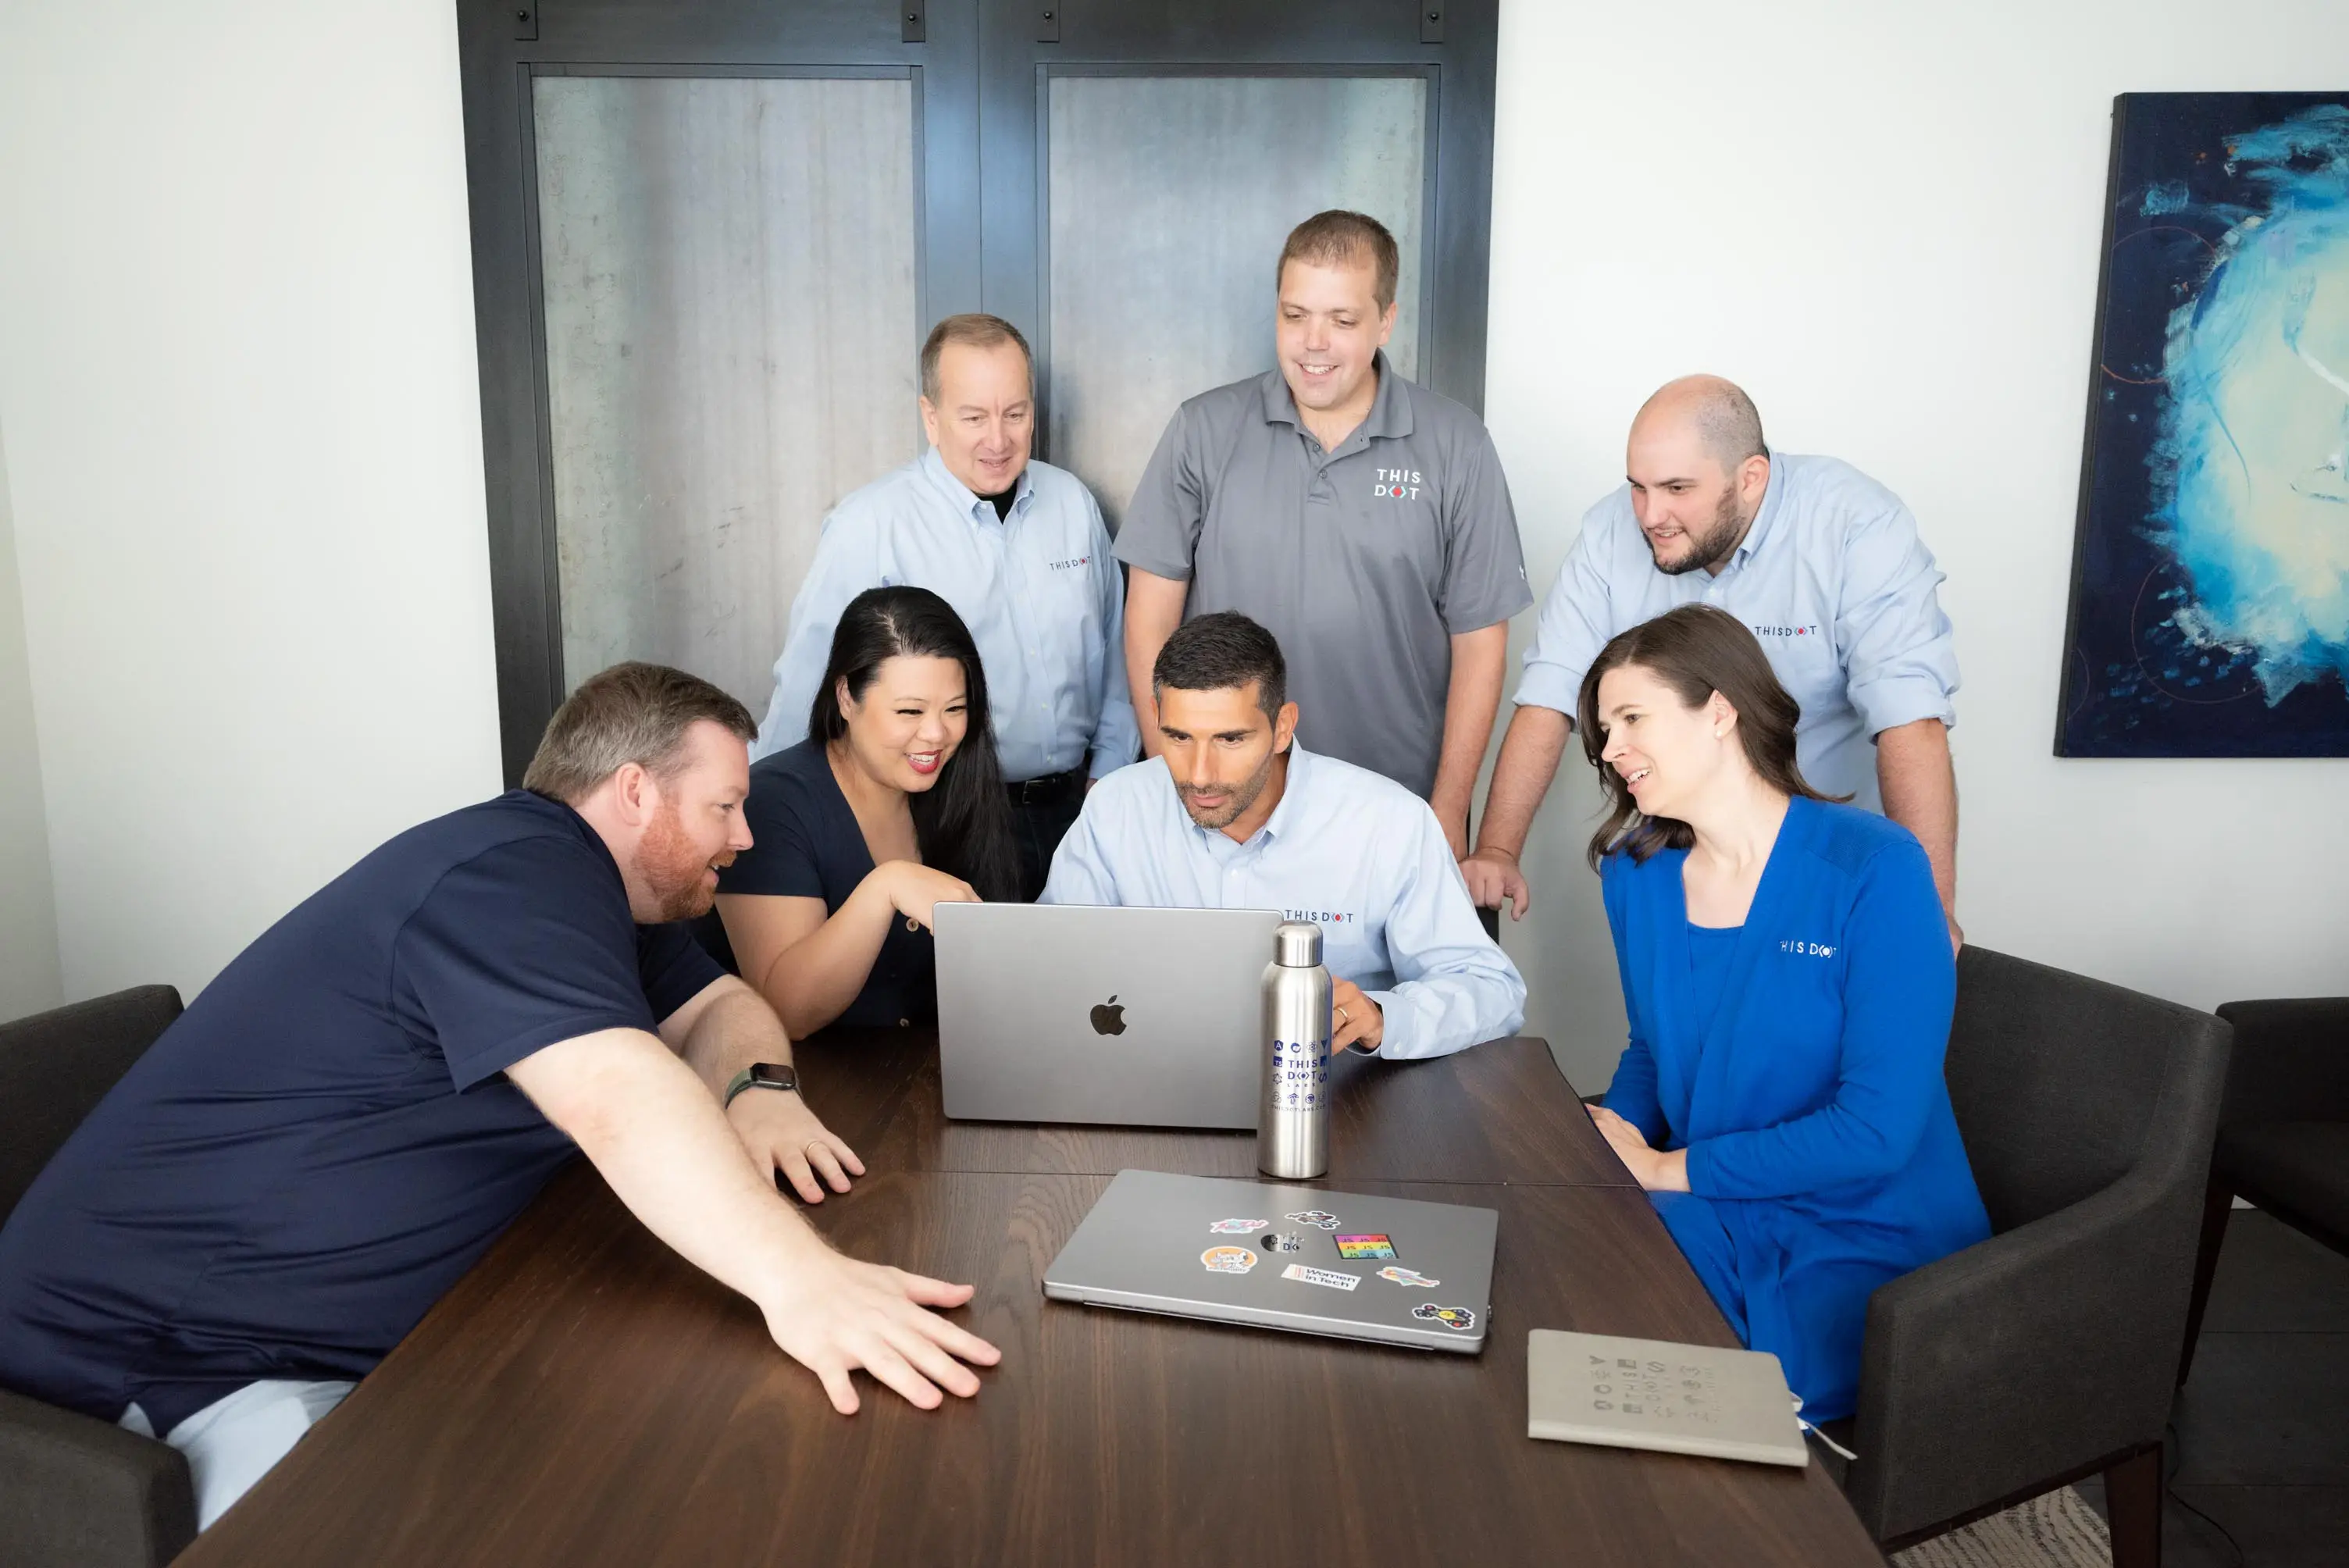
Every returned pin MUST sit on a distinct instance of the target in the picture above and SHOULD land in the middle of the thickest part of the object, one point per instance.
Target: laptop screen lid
(1080, 1013)
(1270, 1255)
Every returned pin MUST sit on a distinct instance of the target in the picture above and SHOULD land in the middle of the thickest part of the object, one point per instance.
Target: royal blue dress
(1823, 1156)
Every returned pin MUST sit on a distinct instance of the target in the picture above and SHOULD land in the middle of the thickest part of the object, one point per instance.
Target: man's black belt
(1050, 788)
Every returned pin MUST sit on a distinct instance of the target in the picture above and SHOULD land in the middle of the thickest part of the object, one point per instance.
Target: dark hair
(1339, 238)
(1696, 650)
(962, 822)
(972, 330)
(636, 712)
(1223, 652)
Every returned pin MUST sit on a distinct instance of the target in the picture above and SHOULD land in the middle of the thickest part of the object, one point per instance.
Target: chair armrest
(2290, 1061)
(2025, 1358)
(77, 1491)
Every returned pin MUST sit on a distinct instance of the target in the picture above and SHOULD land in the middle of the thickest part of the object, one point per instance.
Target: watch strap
(748, 1077)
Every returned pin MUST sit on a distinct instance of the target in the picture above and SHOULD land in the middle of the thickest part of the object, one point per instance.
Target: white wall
(1885, 222)
(29, 979)
(238, 382)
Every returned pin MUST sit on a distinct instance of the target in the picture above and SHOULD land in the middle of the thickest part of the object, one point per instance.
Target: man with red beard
(350, 1115)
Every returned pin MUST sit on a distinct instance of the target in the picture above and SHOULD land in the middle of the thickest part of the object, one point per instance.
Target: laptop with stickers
(1138, 1017)
(1275, 1255)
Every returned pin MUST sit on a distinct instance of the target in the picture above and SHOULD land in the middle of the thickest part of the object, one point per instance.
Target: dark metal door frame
(980, 71)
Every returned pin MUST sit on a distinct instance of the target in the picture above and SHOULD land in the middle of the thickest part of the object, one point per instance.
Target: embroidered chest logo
(1802, 949)
(1322, 916)
(1070, 565)
(1808, 629)
(1396, 484)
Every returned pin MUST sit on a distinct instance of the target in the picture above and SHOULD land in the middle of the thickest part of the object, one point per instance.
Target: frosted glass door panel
(1169, 200)
(730, 287)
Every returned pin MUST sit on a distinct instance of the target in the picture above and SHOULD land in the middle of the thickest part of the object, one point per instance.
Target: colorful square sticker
(1227, 1260)
(1370, 1246)
(1329, 1277)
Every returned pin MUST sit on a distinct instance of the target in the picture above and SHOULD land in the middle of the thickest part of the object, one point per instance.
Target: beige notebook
(1652, 1394)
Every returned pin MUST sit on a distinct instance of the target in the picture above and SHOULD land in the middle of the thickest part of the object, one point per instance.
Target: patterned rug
(2056, 1531)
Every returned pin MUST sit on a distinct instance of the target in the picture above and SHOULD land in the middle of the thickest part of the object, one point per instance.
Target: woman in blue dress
(893, 805)
(1789, 981)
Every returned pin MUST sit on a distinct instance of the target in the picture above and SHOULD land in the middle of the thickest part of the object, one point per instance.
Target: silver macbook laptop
(1143, 1017)
(1283, 1257)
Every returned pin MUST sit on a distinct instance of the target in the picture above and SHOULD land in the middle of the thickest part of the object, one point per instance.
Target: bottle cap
(1297, 944)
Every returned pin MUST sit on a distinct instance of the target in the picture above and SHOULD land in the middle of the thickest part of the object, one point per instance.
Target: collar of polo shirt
(1389, 415)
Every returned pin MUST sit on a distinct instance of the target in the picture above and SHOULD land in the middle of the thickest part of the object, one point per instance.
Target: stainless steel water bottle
(1292, 1128)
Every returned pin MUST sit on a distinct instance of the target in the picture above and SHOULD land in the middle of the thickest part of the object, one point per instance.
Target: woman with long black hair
(892, 805)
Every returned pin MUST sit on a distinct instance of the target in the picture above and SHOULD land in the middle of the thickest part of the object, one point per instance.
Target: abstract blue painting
(2210, 572)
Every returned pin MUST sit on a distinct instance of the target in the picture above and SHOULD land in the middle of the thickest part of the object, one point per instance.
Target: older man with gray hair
(1019, 548)
(1823, 562)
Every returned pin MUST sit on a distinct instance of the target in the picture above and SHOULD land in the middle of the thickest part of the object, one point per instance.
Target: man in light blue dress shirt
(1019, 548)
(1822, 561)
(1233, 814)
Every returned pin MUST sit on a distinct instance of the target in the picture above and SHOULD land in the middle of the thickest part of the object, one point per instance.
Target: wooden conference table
(584, 1397)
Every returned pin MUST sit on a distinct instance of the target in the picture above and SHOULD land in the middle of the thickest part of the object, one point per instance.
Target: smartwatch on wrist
(762, 1075)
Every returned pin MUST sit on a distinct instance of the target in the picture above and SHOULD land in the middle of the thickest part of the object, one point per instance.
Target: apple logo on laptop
(1109, 1018)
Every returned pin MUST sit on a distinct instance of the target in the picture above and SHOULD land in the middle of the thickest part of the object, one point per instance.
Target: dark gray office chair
(2283, 1138)
(2046, 1354)
(74, 1490)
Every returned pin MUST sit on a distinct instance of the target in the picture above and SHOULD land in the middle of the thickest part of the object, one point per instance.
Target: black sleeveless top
(805, 843)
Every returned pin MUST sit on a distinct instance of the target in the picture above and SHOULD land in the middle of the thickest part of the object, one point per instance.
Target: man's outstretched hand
(838, 1314)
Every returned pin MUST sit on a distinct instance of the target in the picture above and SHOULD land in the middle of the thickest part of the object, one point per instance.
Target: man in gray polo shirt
(1361, 520)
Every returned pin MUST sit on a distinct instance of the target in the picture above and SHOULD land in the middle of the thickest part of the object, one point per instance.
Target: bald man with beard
(1823, 562)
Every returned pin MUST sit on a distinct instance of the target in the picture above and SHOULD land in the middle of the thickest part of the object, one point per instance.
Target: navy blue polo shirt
(321, 1144)
(805, 843)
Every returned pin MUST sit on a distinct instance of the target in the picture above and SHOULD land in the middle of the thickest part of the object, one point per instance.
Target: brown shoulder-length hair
(1696, 650)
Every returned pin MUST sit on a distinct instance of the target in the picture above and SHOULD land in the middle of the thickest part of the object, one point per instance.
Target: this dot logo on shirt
(1322, 916)
(1803, 949)
(1396, 484)
(1808, 629)
(1070, 565)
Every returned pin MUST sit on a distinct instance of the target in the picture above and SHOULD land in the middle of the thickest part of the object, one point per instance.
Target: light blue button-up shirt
(1832, 578)
(1038, 589)
(1348, 849)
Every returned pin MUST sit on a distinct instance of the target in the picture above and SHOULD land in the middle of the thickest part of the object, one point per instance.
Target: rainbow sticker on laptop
(1354, 1248)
